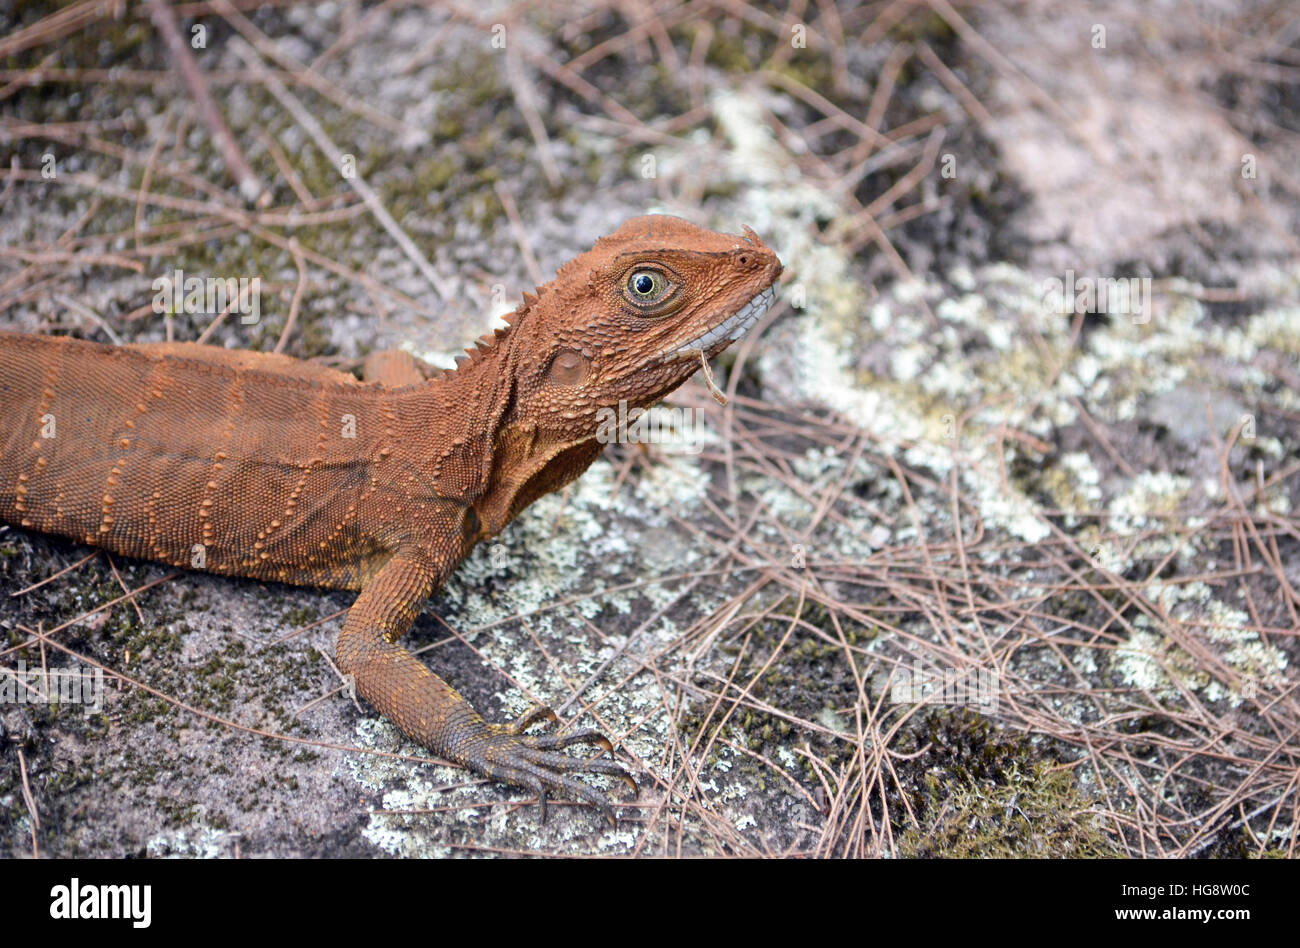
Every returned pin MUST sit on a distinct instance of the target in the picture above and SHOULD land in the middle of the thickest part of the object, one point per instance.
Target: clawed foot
(504, 752)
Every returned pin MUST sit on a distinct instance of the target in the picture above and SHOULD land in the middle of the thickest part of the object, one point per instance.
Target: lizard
(260, 465)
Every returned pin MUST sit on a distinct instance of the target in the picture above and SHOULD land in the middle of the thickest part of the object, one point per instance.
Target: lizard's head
(633, 318)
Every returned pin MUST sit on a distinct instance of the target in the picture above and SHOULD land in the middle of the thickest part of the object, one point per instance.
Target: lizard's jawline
(730, 329)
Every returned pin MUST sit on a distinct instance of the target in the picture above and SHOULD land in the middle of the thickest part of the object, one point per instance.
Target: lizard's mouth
(710, 343)
(728, 331)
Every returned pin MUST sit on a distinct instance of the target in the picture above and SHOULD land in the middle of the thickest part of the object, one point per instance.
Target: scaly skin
(258, 465)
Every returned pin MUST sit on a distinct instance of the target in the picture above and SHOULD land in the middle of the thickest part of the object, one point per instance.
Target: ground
(944, 458)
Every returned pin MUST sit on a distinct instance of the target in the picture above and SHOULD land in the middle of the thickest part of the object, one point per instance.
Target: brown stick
(250, 185)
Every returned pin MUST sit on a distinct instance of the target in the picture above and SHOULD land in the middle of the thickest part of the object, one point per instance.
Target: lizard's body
(258, 465)
(178, 450)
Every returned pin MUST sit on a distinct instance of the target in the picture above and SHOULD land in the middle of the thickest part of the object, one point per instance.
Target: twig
(297, 294)
(972, 105)
(526, 98)
(408, 134)
(520, 234)
(336, 157)
(86, 312)
(29, 800)
(250, 185)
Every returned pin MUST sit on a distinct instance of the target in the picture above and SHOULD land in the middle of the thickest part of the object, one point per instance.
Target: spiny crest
(489, 341)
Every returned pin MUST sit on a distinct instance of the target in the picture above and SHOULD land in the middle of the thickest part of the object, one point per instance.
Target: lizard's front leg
(433, 713)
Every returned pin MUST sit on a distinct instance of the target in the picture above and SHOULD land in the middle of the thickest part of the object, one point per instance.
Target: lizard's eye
(647, 287)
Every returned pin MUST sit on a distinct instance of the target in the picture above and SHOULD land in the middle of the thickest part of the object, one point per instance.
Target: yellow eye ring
(647, 287)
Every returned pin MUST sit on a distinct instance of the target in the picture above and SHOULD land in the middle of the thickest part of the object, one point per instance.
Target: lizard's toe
(561, 741)
(530, 717)
(533, 760)
(550, 741)
(592, 765)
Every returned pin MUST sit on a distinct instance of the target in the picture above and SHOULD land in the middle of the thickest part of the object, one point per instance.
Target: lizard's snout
(766, 256)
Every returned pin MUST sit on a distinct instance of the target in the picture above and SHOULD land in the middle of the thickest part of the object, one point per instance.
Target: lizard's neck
(446, 427)
(528, 465)
(461, 433)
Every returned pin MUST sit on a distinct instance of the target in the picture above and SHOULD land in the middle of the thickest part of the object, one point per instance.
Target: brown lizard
(260, 465)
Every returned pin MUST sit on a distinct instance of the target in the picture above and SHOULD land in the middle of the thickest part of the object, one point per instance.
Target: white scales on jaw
(730, 329)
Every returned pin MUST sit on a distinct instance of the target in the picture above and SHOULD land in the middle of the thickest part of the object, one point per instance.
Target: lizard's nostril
(743, 260)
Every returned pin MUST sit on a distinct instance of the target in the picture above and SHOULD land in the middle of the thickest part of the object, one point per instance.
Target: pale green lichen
(1151, 659)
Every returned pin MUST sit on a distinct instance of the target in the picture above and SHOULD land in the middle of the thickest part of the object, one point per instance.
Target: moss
(982, 793)
(728, 53)
(436, 172)
(1036, 813)
(928, 27)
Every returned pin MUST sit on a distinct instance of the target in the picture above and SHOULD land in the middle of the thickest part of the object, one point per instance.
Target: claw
(631, 781)
(531, 717)
(502, 752)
